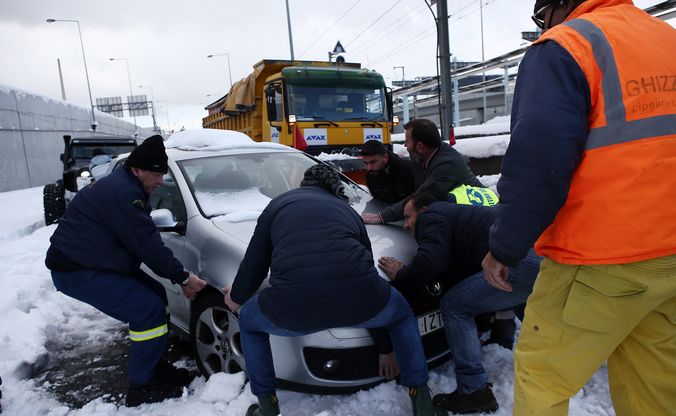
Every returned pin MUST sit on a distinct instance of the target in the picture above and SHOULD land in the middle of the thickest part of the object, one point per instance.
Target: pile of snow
(324, 157)
(214, 140)
(483, 147)
(33, 313)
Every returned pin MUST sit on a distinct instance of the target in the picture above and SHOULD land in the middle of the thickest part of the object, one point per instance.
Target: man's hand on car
(194, 285)
(231, 304)
(371, 218)
(390, 266)
(387, 366)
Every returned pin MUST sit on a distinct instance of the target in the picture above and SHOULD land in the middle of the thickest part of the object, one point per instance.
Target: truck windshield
(336, 103)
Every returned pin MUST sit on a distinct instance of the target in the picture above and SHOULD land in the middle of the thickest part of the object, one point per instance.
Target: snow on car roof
(214, 140)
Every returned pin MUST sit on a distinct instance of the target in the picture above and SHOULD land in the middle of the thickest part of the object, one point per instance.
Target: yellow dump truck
(336, 107)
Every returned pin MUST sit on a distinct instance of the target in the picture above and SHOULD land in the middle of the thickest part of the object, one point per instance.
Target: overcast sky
(166, 43)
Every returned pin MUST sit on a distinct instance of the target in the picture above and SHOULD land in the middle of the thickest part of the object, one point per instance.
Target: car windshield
(240, 186)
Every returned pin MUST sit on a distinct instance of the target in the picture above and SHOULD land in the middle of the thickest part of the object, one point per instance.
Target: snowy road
(40, 328)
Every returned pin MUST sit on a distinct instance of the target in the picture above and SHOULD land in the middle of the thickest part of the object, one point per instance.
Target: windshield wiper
(370, 120)
(314, 117)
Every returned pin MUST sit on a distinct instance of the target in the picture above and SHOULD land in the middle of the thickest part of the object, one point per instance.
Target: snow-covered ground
(33, 314)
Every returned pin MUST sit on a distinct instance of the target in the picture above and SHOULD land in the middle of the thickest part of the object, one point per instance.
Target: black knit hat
(149, 155)
(322, 175)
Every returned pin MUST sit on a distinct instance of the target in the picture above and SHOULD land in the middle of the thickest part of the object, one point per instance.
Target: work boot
(152, 392)
(267, 406)
(167, 373)
(421, 402)
(481, 400)
(502, 333)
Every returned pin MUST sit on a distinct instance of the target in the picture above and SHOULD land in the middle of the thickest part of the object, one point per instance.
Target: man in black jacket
(322, 275)
(438, 168)
(388, 177)
(452, 242)
(95, 256)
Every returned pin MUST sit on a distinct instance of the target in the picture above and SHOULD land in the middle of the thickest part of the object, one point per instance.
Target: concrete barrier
(31, 136)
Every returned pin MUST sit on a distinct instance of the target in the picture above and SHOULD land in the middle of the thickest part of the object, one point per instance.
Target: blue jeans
(396, 317)
(474, 296)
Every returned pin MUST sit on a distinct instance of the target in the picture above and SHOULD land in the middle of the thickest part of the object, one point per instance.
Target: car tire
(54, 201)
(214, 336)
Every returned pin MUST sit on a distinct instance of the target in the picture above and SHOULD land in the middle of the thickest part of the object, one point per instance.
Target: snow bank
(497, 125)
(483, 147)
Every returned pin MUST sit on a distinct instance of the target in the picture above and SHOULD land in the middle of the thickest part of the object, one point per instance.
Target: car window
(223, 185)
(168, 196)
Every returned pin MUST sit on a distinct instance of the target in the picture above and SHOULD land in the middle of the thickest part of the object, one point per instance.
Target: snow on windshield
(235, 206)
(213, 139)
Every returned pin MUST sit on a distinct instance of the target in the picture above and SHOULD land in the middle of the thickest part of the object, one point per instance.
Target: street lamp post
(131, 92)
(152, 105)
(227, 55)
(405, 96)
(84, 59)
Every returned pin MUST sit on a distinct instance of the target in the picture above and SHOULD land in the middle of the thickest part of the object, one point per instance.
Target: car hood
(386, 240)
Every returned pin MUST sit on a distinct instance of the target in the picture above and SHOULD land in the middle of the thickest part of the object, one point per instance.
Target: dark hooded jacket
(318, 253)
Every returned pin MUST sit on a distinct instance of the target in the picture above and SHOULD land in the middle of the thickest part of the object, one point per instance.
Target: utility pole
(288, 22)
(483, 59)
(445, 67)
(63, 89)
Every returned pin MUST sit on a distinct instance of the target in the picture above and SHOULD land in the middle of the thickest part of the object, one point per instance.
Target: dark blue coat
(452, 243)
(107, 226)
(321, 267)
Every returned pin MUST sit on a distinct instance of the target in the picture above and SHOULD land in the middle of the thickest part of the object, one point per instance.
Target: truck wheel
(54, 201)
(214, 335)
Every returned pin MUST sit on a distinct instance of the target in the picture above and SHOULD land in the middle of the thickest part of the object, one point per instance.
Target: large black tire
(214, 336)
(54, 201)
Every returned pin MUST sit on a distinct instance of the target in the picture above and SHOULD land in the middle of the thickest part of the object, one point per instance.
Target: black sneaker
(152, 392)
(481, 400)
(166, 373)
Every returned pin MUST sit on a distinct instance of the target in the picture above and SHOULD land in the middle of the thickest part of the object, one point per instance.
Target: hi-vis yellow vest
(620, 206)
(474, 195)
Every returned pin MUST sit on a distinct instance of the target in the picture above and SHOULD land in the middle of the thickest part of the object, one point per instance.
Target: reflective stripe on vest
(474, 195)
(618, 129)
(149, 334)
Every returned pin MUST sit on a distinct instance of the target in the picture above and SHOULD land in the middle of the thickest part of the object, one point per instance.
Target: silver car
(206, 212)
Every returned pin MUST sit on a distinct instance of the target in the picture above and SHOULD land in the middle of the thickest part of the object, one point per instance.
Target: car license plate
(430, 322)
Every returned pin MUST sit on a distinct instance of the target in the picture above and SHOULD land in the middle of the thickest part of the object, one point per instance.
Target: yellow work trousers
(580, 316)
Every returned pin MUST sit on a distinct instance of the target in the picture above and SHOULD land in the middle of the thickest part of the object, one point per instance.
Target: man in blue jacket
(321, 276)
(95, 257)
(452, 242)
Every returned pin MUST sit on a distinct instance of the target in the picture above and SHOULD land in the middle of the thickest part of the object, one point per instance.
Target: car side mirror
(164, 221)
(271, 104)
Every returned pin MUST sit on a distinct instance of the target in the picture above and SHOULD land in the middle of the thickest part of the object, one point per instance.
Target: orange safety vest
(619, 207)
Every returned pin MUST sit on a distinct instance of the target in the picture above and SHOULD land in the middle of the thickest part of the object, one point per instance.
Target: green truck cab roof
(336, 76)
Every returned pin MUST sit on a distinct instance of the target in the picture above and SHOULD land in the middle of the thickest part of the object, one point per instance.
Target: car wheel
(54, 201)
(214, 334)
